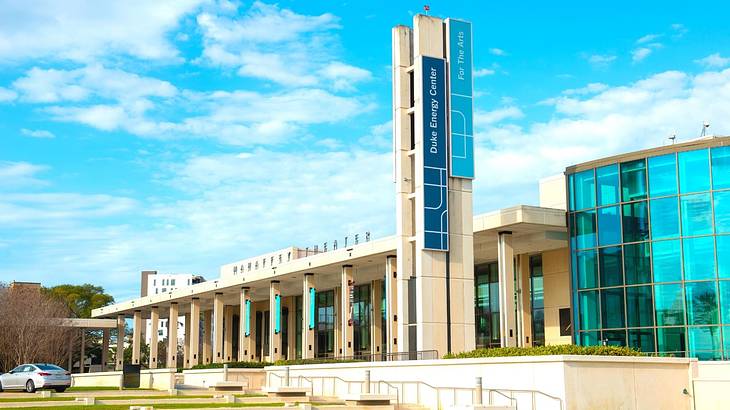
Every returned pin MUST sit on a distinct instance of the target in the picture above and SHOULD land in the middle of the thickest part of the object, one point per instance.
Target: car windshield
(48, 367)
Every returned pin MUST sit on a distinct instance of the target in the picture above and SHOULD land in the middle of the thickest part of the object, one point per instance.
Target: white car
(31, 377)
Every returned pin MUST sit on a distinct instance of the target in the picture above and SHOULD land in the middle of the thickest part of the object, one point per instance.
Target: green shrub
(547, 350)
(233, 365)
(295, 362)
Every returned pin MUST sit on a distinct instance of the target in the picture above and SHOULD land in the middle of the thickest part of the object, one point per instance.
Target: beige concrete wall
(556, 283)
(203, 378)
(552, 192)
(157, 379)
(711, 385)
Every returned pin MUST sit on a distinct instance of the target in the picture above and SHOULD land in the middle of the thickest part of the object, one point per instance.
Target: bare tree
(29, 330)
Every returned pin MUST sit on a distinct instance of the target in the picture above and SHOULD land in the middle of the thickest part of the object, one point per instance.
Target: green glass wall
(650, 253)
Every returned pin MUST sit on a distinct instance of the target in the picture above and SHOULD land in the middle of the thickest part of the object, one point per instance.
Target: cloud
(7, 95)
(640, 54)
(591, 88)
(37, 133)
(497, 52)
(483, 72)
(344, 76)
(600, 60)
(85, 30)
(482, 118)
(714, 60)
(40, 209)
(20, 174)
(648, 38)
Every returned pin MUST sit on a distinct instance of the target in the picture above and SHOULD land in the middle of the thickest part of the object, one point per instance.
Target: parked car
(31, 377)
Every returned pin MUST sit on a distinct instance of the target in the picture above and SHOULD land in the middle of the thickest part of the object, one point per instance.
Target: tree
(81, 299)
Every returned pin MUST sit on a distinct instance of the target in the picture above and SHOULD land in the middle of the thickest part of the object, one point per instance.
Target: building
(154, 283)
(588, 265)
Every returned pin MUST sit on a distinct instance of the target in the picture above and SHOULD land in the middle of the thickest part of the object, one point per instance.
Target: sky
(178, 136)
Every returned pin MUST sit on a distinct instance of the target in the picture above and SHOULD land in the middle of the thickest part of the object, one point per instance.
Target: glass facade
(650, 253)
(486, 309)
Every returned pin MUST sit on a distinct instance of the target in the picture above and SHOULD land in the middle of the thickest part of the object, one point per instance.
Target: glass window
(664, 218)
(587, 269)
(701, 303)
(726, 339)
(669, 303)
(671, 340)
(615, 337)
(607, 179)
(609, 260)
(704, 342)
(696, 214)
(635, 222)
(667, 260)
(694, 171)
(642, 339)
(699, 258)
(722, 212)
(723, 256)
(612, 307)
(639, 306)
(725, 301)
(588, 338)
(637, 263)
(721, 167)
(585, 190)
(633, 180)
(537, 297)
(585, 223)
(662, 175)
(571, 192)
(609, 226)
(589, 318)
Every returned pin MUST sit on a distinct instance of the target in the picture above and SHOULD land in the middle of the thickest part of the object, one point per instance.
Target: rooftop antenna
(673, 137)
(426, 8)
(705, 126)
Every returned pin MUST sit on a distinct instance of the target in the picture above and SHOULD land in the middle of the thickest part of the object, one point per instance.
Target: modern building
(628, 250)
(155, 283)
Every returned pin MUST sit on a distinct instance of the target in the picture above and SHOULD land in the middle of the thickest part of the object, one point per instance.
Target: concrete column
(104, 349)
(348, 331)
(309, 316)
(218, 328)
(155, 323)
(523, 272)
(337, 292)
(70, 353)
(291, 330)
(505, 258)
(207, 328)
(391, 304)
(172, 336)
(274, 335)
(186, 346)
(136, 336)
(228, 333)
(194, 354)
(244, 340)
(119, 360)
(376, 318)
(82, 356)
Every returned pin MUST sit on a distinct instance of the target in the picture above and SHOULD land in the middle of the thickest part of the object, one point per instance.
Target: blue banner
(435, 173)
(461, 97)
(277, 314)
(248, 318)
(312, 307)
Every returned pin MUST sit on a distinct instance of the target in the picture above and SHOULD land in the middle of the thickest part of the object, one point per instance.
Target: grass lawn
(32, 399)
(162, 406)
(105, 388)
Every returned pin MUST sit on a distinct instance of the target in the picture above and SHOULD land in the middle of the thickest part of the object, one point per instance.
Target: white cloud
(483, 72)
(40, 209)
(640, 54)
(7, 95)
(20, 174)
(591, 88)
(714, 60)
(482, 118)
(497, 51)
(600, 60)
(344, 76)
(648, 38)
(37, 133)
(84, 30)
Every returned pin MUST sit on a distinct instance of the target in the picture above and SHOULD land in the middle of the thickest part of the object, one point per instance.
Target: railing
(387, 357)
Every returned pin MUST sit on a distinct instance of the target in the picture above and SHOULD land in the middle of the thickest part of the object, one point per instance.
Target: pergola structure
(95, 324)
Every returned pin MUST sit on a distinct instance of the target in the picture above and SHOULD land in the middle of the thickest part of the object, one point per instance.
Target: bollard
(366, 387)
(286, 376)
(225, 372)
(478, 392)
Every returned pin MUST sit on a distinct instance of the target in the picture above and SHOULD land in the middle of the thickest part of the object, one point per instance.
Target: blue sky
(179, 136)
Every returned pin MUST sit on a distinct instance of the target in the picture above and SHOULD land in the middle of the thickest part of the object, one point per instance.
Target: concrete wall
(204, 378)
(158, 379)
(550, 382)
(711, 385)
(552, 192)
(556, 283)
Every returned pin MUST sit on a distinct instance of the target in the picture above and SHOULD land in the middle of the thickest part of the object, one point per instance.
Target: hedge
(259, 365)
(547, 350)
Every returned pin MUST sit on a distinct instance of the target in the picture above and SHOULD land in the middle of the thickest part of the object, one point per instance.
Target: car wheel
(30, 386)
(60, 389)
(1, 386)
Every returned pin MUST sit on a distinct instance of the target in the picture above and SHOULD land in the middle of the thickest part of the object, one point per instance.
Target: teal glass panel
(609, 226)
(639, 306)
(589, 310)
(277, 313)
(633, 180)
(637, 263)
(701, 303)
(722, 211)
(642, 339)
(723, 256)
(615, 337)
(671, 341)
(726, 341)
(696, 214)
(694, 171)
(585, 223)
(664, 218)
(725, 301)
(699, 258)
(667, 260)
(571, 192)
(312, 307)
(612, 308)
(662, 175)
(704, 342)
(609, 262)
(669, 305)
(588, 338)
(587, 264)
(635, 222)
(607, 184)
(720, 167)
(584, 190)
(247, 321)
